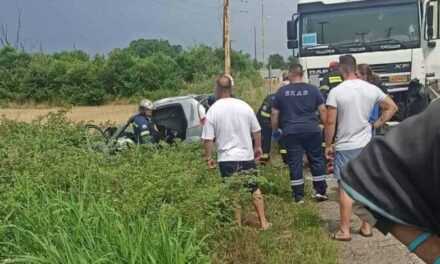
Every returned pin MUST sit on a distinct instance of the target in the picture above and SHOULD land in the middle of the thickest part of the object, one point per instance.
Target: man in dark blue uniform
(143, 127)
(331, 79)
(294, 110)
(264, 118)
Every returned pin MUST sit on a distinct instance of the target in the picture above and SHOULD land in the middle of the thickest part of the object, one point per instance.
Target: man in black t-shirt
(397, 177)
(294, 111)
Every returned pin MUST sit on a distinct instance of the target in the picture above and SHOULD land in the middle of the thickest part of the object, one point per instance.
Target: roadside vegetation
(61, 203)
(146, 68)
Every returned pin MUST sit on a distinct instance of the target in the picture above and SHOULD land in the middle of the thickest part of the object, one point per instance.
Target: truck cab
(399, 39)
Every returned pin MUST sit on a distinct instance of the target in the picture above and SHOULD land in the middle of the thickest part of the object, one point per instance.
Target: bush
(158, 72)
(150, 68)
(199, 63)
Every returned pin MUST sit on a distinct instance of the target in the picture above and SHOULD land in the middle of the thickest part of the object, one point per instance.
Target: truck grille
(385, 72)
(391, 68)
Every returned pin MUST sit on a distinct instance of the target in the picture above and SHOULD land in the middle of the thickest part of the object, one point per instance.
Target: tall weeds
(61, 203)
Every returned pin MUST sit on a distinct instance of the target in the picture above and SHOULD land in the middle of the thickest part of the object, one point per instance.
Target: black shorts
(229, 168)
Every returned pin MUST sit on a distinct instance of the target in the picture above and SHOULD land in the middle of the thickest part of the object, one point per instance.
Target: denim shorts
(342, 158)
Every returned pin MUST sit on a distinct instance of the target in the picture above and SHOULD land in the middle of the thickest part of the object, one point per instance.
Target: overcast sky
(98, 26)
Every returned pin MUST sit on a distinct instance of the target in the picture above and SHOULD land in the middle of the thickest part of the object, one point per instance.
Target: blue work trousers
(311, 145)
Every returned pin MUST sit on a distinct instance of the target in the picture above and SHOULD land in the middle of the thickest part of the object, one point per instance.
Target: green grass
(61, 203)
(67, 230)
(296, 236)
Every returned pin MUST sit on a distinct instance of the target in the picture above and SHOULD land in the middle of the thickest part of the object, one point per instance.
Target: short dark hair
(296, 69)
(224, 83)
(347, 63)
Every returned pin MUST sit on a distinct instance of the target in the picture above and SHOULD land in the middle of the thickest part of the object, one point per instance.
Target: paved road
(376, 250)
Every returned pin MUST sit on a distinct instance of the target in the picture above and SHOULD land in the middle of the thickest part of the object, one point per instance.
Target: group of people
(297, 113)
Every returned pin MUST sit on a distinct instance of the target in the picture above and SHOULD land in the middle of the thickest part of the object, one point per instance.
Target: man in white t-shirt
(232, 123)
(349, 106)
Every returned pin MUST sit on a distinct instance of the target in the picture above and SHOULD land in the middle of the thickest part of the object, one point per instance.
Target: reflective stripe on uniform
(265, 156)
(145, 133)
(319, 178)
(335, 79)
(297, 182)
(283, 151)
(265, 114)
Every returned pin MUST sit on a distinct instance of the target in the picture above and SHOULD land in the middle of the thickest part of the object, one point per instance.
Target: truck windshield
(373, 28)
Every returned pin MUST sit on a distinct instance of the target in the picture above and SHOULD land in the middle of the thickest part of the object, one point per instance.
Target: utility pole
(255, 44)
(227, 36)
(263, 32)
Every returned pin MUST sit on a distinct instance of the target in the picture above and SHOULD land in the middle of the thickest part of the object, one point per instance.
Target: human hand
(329, 153)
(377, 124)
(258, 153)
(212, 164)
(277, 134)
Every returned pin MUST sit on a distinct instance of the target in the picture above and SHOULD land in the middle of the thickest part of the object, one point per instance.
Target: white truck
(399, 39)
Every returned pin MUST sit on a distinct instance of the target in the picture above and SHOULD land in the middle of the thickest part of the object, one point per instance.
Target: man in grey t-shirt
(350, 105)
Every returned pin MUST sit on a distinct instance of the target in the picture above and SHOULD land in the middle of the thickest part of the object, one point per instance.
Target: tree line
(277, 61)
(145, 67)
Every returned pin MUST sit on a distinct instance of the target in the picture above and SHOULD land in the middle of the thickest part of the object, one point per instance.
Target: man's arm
(256, 133)
(330, 129)
(428, 251)
(389, 108)
(208, 136)
(323, 113)
(275, 119)
(257, 145)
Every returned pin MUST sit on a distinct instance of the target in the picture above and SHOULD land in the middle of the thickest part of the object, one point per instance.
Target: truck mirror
(292, 44)
(292, 32)
(430, 22)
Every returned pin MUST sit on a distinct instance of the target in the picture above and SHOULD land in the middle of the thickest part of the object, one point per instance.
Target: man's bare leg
(428, 251)
(345, 208)
(366, 228)
(258, 201)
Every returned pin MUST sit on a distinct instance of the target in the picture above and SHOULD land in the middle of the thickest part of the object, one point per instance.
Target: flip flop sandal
(365, 234)
(339, 236)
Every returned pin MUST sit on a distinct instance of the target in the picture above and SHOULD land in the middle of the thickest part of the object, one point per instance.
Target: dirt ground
(92, 114)
(379, 249)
